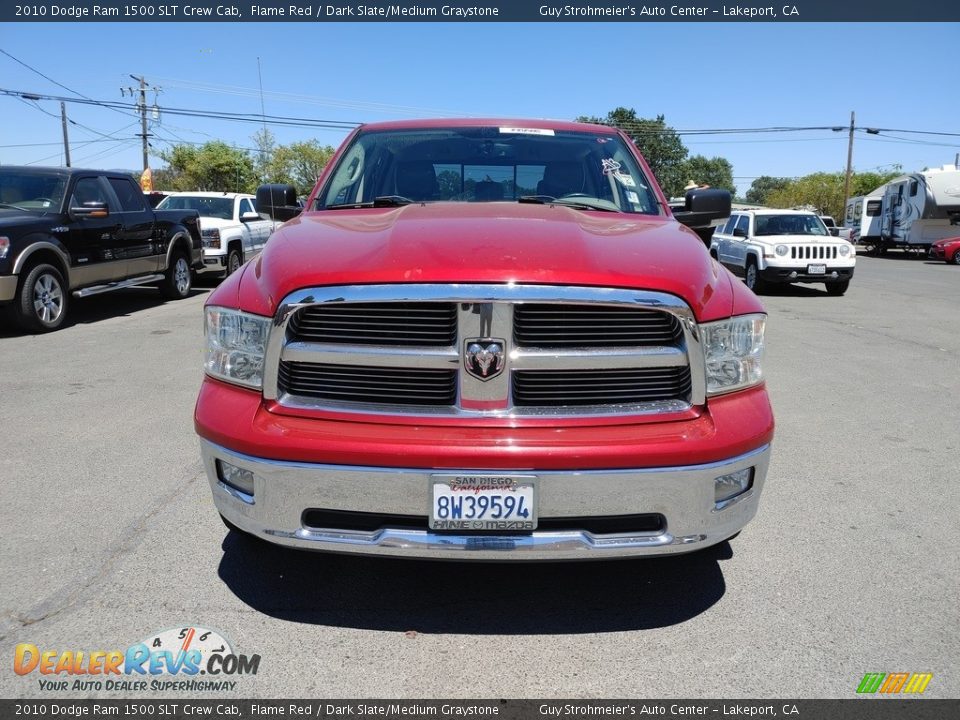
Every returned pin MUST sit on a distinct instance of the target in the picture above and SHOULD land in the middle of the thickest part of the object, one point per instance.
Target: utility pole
(143, 118)
(142, 107)
(66, 141)
(846, 182)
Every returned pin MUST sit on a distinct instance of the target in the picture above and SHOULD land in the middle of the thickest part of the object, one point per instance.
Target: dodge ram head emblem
(484, 357)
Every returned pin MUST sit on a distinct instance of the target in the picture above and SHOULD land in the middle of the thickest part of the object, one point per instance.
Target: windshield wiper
(15, 207)
(380, 201)
(580, 203)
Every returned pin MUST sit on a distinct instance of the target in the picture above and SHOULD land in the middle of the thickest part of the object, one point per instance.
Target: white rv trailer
(863, 217)
(920, 208)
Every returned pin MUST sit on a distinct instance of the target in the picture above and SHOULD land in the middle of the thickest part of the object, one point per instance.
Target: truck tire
(178, 280)
(751, 277)
(837, 288)
(42, 299)
(234, 261)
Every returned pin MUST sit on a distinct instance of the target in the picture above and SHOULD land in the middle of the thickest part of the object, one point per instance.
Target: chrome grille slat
(350, 383)
(533, 387)
(547, 326)
(405, 323)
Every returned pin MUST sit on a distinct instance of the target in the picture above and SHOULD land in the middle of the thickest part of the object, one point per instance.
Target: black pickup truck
(65, 231)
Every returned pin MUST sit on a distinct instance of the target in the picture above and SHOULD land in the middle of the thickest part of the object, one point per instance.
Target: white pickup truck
(842, 232)
(231, 229)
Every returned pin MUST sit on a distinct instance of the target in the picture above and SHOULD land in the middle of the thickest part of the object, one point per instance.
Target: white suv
(765, 247)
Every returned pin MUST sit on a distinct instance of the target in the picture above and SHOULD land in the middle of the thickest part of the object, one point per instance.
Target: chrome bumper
(8, 287)
(683, 495)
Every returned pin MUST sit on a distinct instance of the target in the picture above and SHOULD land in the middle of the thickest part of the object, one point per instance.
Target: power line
(47, 77)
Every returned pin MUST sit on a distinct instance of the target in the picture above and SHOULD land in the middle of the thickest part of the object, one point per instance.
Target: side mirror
(91, 209)
(277, 202)
(702, 206)
(249, 217)
(834, 231)
(739, 232)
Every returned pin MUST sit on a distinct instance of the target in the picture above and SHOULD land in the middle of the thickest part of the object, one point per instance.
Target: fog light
(235, 477)
(727, 487)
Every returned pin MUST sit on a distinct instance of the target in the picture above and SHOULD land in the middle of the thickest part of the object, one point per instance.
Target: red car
(486, 340)
(947, 249)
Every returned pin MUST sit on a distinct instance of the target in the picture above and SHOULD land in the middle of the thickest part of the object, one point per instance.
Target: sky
(698, 75)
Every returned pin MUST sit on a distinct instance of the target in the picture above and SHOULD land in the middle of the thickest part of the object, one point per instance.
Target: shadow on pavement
(471, 598)
(118, 303)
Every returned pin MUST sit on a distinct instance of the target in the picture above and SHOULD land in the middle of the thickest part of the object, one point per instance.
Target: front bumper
(213, 263)
(792, 274)
(284, 492)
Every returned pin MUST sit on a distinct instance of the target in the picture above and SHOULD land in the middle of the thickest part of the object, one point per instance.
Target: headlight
(210, 237)
(844, 250)
(733, 351)
(236, 343)
(781, 250)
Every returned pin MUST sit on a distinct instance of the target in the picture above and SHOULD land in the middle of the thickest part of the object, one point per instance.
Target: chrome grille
(553, 388)
(402, 324)
(361, 384)
(557, 326)
(813, 252)
(413, 349)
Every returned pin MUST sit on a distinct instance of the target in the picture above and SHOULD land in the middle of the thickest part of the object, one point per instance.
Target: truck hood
(219, 223)
(485, 243)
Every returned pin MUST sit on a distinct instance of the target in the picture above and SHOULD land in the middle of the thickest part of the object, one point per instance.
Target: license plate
(816, 269)
(483, 502)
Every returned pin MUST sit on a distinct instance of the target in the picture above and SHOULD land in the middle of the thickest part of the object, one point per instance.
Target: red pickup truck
(486, 339)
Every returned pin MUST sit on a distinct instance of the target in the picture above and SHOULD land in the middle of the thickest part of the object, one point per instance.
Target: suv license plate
(483, 502)
(816, 269)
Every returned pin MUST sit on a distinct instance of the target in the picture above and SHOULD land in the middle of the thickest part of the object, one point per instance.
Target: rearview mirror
(277, 202)
(834, 231)
(249, 217)
(739, 232)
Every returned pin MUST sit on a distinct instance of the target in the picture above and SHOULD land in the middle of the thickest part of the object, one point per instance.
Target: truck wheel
(234, 261)
(178, 281)
(41, 302)
(838, 288)
(752, 277)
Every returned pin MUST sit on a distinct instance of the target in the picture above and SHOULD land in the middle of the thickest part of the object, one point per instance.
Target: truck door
(724, 237)
(737, 248)
(93, 241)
(253, 230)
(140, 246)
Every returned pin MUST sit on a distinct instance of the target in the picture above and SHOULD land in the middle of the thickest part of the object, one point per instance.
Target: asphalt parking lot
(851, 566)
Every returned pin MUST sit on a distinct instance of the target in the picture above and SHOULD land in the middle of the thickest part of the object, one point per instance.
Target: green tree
(824, 191)
(266, 145)
(717, 172)
(213, 166)
(762, 186)
(867, 182)
(821, 191)
(299, 164)
(657, 142)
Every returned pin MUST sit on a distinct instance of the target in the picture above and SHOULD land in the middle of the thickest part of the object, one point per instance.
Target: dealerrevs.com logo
(179, 659)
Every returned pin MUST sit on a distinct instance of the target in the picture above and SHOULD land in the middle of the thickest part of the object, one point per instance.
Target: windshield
(488, 164)
(32, 191)
(211, 207)
(789, 225)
